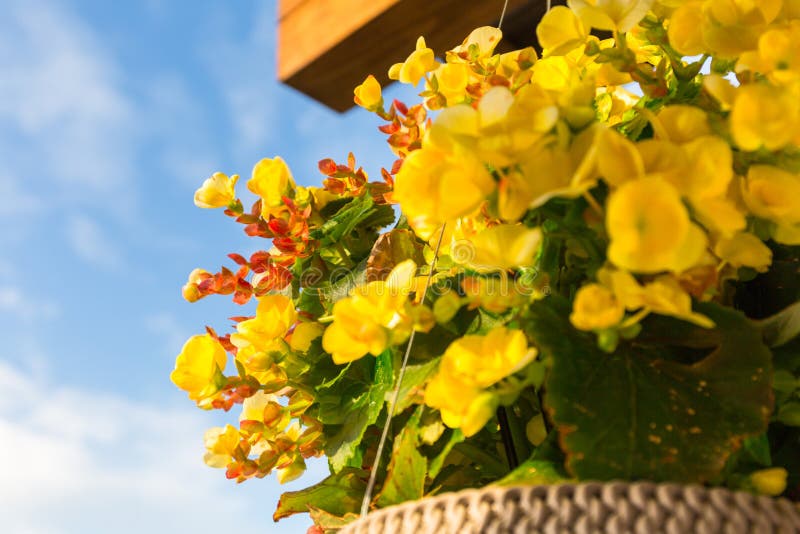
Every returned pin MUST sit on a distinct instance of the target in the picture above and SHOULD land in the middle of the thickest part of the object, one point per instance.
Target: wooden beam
(327, 47)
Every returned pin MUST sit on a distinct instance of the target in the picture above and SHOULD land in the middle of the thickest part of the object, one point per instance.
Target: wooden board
(327, 47)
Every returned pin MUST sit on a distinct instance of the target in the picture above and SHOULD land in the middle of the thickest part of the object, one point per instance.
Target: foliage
(596, 257)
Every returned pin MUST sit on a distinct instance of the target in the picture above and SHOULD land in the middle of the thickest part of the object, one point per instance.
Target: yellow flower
(596, 308)
(485, 39)
(683, 123)
(764, 116)
(271, 181)
(481, 361)
(504, 247)
(560, 30)
(303, 335)
(190, 291)
(460, 405)
(617, 158)
(368, 94)
(415, 66)
(744, 250)
(275, 314)
(650, 229)
(372, 318)
(773, 194)
(452, 79)
(665, 296)
(199, 366)
(469, 365)
(770, 481)
(685, 29)
(618, 15)
(435, 186)
(216, 192)
(220, 445)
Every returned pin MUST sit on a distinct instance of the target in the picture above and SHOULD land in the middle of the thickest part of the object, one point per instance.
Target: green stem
(344, 255)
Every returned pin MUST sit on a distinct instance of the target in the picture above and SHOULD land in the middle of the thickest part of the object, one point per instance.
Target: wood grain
(327, 47)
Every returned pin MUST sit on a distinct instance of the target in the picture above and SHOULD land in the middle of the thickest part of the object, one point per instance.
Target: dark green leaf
(670, 405)
(455, 437)
(414, 378)
(534, 472)
(405, 477)
(339, 494)
(362, 413)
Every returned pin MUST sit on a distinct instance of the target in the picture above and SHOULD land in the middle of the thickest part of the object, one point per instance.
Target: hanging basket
(615, 507)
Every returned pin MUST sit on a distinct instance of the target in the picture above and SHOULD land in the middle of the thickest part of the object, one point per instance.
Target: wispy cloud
(76, 461)
(90, 241)
(17, 302)
(70, 126)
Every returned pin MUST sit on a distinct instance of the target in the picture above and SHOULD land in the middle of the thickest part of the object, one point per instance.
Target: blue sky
(111, 115)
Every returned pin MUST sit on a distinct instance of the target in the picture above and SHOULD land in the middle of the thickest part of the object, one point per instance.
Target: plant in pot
(582, 266)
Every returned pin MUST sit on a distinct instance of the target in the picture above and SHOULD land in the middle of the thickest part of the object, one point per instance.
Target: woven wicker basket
(614, 507)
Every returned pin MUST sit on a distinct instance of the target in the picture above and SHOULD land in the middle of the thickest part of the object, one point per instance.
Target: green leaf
(361, 211)
(757, 447)
(673, 404)
(363, 412)
(454, 438)
(782, 327)
(405, 478)
(414, 378)
(534, 472)
(339, 494)
(329, 521)
(789, 414)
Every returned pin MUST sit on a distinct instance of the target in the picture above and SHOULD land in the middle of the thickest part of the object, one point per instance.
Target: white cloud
(91, 243)
(15, 301)
(83, 462)
(69, 128)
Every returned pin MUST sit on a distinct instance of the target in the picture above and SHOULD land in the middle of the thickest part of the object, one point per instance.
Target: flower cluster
(605, 228)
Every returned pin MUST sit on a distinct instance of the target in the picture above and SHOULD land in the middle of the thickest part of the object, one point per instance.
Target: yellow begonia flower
(787, 234)
(199, 366)
(415, 66)
(484, 38)
(271, 181)
(731, 27)
(368, 94)
(373, 317)
(504, 247)
(617, 158)
(770, 481)
(303, 335)
(484, 360)
(744, 250)
(778, 54)
(560, 30)
(436, 186)
(650, 229)
(190, 291)
(275, 314)
(220, 445)
(452, 80)
(595, 308)
(469, 365)
(683, 123)
(772, 194)
(663, 296)
(616, 15)
(461, 406)
(685, 29)
(764, 116)
(216, 192)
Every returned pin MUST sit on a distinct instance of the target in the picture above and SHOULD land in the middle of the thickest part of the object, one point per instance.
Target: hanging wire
(503, 14)
(396, 395)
